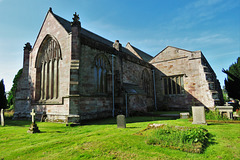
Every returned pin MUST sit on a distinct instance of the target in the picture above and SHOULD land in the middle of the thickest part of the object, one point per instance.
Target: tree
(3, 99)
(225, 95)
(12, 92)
(232, 83)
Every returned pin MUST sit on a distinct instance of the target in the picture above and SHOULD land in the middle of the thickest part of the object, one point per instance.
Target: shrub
(214, 115)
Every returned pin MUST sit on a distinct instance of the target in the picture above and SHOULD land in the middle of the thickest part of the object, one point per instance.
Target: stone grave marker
(198, 113)
(121, 121)
(33, 128)
(185, 115)
(2, 117)
(225, 110)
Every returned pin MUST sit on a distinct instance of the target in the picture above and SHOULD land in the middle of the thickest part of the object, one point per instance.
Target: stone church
(71, 74)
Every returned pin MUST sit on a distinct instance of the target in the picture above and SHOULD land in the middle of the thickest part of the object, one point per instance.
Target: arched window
(47, 65)
(146, 82)
(101, 73)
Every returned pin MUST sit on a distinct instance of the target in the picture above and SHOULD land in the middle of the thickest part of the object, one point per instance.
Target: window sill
(48, 102)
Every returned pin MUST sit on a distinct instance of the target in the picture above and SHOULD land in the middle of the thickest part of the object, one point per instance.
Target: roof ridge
(141, 50)
(144, 56)
(65, 23)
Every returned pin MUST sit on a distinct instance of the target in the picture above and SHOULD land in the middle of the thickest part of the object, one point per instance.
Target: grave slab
(185, 115)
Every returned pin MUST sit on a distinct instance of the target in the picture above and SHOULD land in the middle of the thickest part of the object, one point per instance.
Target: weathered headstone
(185, 115)
(121, 121)
(44, 117)
(227, 109)
(2, 117)
(198, 113)
(33, 128)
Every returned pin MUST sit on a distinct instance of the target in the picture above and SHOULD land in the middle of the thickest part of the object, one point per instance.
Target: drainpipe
(113, 85)
(126, 104)
(154, 87)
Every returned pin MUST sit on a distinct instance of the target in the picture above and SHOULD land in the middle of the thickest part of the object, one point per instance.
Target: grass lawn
(103, 140)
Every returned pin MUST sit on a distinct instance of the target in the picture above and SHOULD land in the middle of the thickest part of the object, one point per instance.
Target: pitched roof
(65, 23)
(140, 54)
(67, 26)
(172, 47)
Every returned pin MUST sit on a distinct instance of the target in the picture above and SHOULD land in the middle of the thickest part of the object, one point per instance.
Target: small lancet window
(146, 82)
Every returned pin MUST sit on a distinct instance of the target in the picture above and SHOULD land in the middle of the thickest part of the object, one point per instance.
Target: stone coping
(185, 114)
(224, 107)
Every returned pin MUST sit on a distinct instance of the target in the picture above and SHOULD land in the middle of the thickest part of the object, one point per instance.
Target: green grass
(189, 139)
(103, 140)
(214, 115)
(166, 112)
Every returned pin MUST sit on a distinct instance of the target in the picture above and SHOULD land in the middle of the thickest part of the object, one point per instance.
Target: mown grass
(103, 140)
(188, 139)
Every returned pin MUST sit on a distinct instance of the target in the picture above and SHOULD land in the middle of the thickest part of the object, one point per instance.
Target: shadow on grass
(106, 121)
(211, 141)
(135, 119)
(20, 123)
(51, 132)
(214, 124)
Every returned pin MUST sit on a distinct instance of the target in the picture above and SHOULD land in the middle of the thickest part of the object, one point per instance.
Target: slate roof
(67, 26)
(146, 57)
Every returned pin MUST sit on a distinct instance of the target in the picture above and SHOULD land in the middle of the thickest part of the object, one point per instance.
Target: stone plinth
(33, 128)
(198, 113)
(225, 109)
(121, 121)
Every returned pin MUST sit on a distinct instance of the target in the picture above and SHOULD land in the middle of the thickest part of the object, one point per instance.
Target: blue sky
(212, 26)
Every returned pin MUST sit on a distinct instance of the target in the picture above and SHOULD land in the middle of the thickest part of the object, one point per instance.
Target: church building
(71, 74)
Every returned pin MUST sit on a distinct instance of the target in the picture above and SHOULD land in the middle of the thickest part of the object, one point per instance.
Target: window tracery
(173, 85)
(101, 74)
(47, 66)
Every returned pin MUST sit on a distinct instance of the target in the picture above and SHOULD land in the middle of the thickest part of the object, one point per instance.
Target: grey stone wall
(174, 61)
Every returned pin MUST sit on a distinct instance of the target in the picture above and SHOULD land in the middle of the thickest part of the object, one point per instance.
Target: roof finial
(75, 18)
(50, 9)
(28, 46)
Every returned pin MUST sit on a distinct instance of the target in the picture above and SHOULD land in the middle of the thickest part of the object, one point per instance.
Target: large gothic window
(146, 82)
(101, 73)
(47, 65)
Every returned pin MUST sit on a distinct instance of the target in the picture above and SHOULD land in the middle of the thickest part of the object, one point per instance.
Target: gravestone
(198, 113)
(2, 117)
(121, 121)
(225, 110)
(33, 128)
(44, 117)
(185, 115)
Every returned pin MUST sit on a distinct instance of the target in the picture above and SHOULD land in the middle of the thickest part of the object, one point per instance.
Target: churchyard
(102, 139)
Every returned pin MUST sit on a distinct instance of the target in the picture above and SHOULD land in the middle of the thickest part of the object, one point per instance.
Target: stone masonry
(199, 80)
(72, 74)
